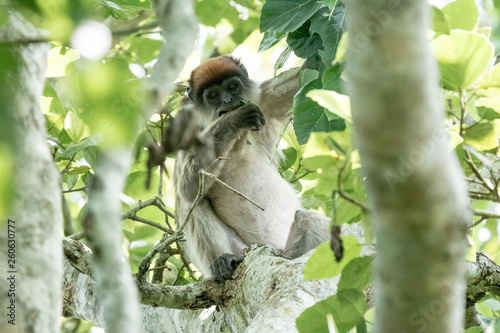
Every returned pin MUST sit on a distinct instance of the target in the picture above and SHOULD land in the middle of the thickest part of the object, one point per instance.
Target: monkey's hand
(223, 267)
(248, 116)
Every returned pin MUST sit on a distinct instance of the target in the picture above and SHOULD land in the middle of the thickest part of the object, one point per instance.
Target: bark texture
(420, 208)
(36, 195)
(267, 296)
(259, 300)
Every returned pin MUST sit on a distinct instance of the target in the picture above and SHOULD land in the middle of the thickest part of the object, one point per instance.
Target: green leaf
(286, 15)
(440, 23)
(347, 308)
(463, 58)
(307, 75)
(310, 117)
(210, 12)
(333, 102)
(357, 274)
(125, 9)
(303, 43)
(489, 107)
(491, 78)
(74, 126)
(135, 185)
(329, 27)
(270, 39)
(481, 137)
(90, 154)
(342, 47)
(50, 102)
(475, 329)
(89, 141)
(57, 62)
(322, 264)
(280, 62)
(290, 156)
(78, 170)
(461, 14)
(332, 79)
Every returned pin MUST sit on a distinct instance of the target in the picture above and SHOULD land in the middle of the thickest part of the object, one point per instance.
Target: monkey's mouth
(236, 106)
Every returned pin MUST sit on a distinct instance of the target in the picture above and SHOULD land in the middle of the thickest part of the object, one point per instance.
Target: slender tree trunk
(420, 205)
(33, 275)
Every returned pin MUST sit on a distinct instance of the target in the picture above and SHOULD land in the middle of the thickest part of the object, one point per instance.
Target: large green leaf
(329, 27)
(463, 58)
(310, 117)
(461, 14)
(322, 264)
(303, 43)
(286, 15)
(347, 308)
(357, 274)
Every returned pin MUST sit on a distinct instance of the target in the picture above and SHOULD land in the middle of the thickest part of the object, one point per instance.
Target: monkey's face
(225, 97)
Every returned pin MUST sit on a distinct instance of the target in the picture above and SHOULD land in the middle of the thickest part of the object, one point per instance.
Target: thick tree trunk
(34, 282)
(420, 206)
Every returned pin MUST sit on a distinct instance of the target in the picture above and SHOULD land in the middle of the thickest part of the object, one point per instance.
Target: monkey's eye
(212, 95)
(232, 86)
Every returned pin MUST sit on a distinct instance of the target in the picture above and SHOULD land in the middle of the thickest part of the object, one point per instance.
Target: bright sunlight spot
(484, 234)
(92, 40)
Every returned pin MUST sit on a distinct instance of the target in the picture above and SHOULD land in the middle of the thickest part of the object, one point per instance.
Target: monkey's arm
(220, 137)
(277, 94)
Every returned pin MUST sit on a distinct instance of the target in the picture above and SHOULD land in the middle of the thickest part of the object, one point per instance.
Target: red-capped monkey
(223, 223)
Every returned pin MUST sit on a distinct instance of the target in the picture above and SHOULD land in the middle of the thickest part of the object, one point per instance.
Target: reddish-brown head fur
(214, 71)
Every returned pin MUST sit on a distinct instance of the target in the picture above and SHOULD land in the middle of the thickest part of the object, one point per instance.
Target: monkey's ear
(189, 91)
(243, 69)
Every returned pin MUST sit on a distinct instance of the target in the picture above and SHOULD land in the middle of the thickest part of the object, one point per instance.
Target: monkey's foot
(223, 267)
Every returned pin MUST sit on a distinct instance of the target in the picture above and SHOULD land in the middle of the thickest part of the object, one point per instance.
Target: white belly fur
(256, 178)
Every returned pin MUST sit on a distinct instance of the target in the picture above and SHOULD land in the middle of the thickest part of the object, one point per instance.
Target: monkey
(239, 121)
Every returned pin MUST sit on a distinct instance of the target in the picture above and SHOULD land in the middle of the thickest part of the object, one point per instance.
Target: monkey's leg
(308, 231)
(214, 248)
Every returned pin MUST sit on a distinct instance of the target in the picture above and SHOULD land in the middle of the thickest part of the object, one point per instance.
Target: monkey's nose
(227, 98)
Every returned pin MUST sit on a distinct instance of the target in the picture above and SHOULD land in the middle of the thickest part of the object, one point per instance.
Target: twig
(486, 214)
(162, 244)
(462, 111)
(343, 194)
(478, 174)
(84, 189)
(68, 165)
(151, 223)
(142, 204)
(199, 195)
(131, 30)
(203, 172)
(78, 235)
